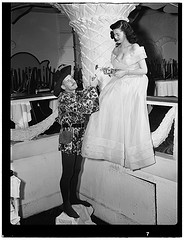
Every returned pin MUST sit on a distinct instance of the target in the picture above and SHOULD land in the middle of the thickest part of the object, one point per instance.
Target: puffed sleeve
(138, 55)
(90, 101)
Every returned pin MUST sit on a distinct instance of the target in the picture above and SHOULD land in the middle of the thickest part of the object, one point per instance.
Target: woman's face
(69, 84)
(119, 35)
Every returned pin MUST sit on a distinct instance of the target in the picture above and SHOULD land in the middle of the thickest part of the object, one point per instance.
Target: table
(166, 88)
(20, 113)
(53, 104)
(20, 108)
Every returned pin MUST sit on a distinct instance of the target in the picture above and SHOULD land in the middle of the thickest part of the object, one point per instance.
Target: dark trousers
(71, 164)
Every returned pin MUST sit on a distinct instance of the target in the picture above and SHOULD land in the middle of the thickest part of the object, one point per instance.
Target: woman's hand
(120, 73)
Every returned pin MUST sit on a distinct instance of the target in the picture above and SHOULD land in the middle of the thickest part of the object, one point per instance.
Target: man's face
(69, 84)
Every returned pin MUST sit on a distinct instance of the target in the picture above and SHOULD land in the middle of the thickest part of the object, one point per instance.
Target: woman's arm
(141, 63)
(139, 71)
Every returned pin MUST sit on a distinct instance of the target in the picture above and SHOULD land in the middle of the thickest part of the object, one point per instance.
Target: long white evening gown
(119, 132)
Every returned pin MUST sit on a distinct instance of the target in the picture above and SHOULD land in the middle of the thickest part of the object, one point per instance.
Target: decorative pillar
(91, 21)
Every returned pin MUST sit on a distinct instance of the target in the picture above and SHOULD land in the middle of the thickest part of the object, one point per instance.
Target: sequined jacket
(72, 111)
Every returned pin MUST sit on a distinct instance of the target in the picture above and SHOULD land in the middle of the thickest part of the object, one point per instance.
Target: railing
(161, 101)
(170, 102)
(152, 100)
(34, 97)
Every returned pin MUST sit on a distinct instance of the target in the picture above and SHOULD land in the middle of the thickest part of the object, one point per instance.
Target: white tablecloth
(14, 203)
(53, 104)
(20, 114)
(166, 88)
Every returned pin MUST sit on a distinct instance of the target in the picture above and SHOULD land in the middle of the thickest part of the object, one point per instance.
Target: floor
(48, 218)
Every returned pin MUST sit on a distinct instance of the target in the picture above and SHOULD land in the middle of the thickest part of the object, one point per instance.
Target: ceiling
(40, 7)
(18, 10)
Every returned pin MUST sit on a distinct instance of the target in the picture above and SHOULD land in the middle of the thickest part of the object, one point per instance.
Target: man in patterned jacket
(74, 108)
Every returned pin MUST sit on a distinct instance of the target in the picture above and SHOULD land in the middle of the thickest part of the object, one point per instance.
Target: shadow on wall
(152, 53)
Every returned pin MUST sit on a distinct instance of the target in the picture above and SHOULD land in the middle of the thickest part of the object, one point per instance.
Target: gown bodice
(129, 60)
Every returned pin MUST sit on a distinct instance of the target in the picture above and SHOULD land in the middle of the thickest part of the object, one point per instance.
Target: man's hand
(94, 81)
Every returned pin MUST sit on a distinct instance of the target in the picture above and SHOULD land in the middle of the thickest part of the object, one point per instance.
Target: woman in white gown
(119, 132)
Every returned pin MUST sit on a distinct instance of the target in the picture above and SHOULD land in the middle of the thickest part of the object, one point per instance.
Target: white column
(92, 24)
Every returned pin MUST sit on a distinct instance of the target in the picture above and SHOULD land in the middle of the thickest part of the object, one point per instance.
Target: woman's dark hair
(126, 28)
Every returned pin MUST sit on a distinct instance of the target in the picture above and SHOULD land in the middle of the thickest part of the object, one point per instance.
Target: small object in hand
(108, 71)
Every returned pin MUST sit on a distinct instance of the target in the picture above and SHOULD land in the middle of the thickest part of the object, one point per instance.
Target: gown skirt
(119, 132)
